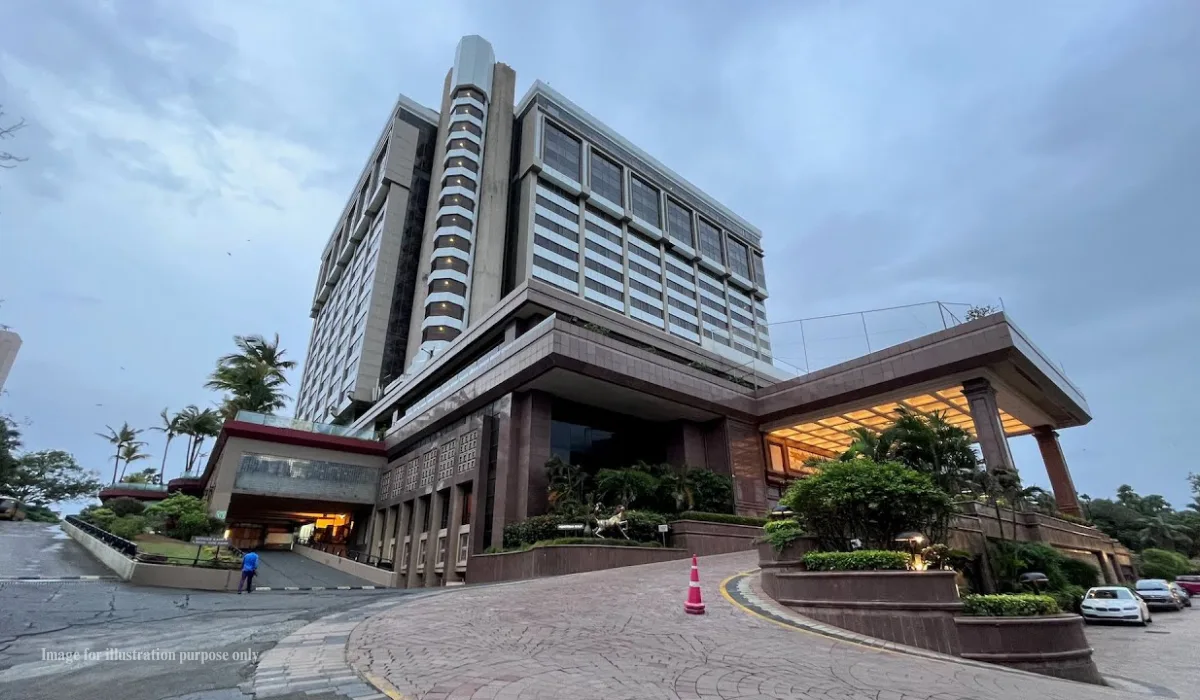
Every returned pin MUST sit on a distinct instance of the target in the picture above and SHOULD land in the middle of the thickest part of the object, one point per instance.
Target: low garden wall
(377, 576)
(702, 538)
(1052, 645)
(145, 574)
(916, 608)
(556, 560)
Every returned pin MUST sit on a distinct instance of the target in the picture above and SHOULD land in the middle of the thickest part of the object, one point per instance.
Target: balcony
(306, 426)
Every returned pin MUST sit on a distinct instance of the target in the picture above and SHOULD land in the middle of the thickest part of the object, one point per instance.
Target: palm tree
(197, 425)
(132, 452)
(1158, 531)
(931, 445)
(874, 446)
(170, 428)
(145, 476)
(253, 377)
(119, 439)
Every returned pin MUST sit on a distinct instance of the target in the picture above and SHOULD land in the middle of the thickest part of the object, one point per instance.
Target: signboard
(664, 528)
(218, 541)
(220, 515)
(573, 526)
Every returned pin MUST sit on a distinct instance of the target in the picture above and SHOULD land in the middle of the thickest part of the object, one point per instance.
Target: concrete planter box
(702, 538)
(1053, 645)
(790, 558)
(557, 560)
(916, 608)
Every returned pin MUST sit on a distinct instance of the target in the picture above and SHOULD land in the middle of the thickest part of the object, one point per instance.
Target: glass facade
(562, 152)
(710, 242)
(739, 258)
(646, 205)
(679, 223)
(606, 179)
(596, 439)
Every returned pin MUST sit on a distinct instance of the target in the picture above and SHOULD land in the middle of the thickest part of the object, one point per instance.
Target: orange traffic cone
(694, 604)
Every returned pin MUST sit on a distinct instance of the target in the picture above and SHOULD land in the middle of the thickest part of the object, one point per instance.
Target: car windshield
(1188, 579)
(1109, 593)
(1151, 585)
(6, 504)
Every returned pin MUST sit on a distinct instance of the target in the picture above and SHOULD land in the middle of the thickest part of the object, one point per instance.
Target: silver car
(1182, 594)
(1158, 594)
(1114, 603)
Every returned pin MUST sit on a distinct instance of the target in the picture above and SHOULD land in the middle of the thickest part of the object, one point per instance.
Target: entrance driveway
(45, 551)
(1158, 660)
(277, 569)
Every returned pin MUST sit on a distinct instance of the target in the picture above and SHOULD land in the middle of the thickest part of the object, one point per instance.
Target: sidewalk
(622, 633)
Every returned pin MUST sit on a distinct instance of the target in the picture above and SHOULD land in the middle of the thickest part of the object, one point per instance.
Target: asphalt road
(56, 636)
(1157, 660)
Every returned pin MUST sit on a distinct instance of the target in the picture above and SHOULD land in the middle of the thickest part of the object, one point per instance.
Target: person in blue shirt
(249, 568)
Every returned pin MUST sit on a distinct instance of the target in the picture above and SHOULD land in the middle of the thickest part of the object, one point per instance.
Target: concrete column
(377, 536)
(457, 494)
(389, 534)
(985, 413)
(412, 579)
(1107, 571)
(1056, 469)
(403, 529)
(438, 504)
(534, 498)
(747, 466)
(507, 453)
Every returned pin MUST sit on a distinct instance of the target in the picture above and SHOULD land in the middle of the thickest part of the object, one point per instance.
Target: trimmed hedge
(1013, 605)
(594, 541)
(862, 560)
(722, 518)
(640, 525)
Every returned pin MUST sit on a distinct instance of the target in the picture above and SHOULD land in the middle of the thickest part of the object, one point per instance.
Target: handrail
(120, 544)
(342, 552)
(130, 549)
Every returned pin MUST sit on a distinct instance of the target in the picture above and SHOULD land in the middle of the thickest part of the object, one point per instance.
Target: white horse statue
(616, 521)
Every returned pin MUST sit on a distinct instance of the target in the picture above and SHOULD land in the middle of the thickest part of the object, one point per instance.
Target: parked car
(1181, 593)
(1189, 583)
(1158, 594)
(1115, 603)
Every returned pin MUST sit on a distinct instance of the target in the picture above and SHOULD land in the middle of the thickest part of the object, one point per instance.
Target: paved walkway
(1159, 659)
(622, 633)
(278, 570)
(45, 551)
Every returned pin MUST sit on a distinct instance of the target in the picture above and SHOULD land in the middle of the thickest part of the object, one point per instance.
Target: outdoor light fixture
(1035, 580)
(914, 541)
(781, 513)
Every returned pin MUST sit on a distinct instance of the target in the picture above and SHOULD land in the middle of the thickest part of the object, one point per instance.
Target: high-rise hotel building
(511, 281)
(456, 209)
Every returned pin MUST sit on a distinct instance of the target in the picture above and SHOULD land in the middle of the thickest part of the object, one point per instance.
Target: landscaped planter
(790, 558)
(1053, 645)
(556, 560)
(703, 537)
(916, 608)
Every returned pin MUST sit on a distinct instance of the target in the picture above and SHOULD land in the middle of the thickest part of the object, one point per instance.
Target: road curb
(319, 588)
(9, 579)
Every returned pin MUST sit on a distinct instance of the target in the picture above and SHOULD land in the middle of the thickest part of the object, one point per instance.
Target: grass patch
(178, 549)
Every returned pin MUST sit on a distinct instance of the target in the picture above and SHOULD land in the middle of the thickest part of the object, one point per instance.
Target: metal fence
(233, 560)
(340, 550)
(120, 544)
(809, 344)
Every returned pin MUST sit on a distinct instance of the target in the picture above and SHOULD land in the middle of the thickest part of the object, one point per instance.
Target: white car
(1114, 603)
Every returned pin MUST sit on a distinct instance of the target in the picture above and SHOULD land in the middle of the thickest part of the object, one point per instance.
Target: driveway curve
(622, 633)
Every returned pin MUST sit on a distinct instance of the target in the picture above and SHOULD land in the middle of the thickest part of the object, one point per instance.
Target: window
(742, 334)
(471, 93)
(720, 322)
(760, 275)
(643, 270)
(457, 242)
(760, 313)
(644, 255)
(440, 333)
(648, 291)
(468, 127)
(602, 269)
(739, 261)
(684, 324)
(463, 144)
(428, 464)
(455, 221)
(710, 287)
(449, 286)
(446, 457)
(447, 263)
(561, 151)
(468, 452)
(680, 288)
(603, 252)
(464, 544)
(556, 227)
(606, 178)
(645, 201)
(465, 163)
(457, 200)
(777, 464)
(717, 306)
(644, 307)
(739, 302)
(471, 110)
(558, 208)
(557, 269)
(555, 247)
(458, 181)
(679, 223)
(681, 305)
(710, 242)
(715, 336)
(444, 308)
(680, 268)
(604, 289)
(410, 476)
(744, 320)
(604, 233)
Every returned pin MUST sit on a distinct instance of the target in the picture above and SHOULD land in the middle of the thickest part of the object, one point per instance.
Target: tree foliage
(48, 476)
(253, 377)
(868, 501)
(1147, 522)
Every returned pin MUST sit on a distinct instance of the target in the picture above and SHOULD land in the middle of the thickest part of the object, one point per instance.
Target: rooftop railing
(306, 426)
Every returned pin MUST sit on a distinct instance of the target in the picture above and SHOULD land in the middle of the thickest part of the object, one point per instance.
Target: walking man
(249, 568)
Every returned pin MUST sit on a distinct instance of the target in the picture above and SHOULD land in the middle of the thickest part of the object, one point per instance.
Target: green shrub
(627, 487)
(1010, 605)
(1160, 563)
(125, 506)
(101, 517)
(642, 525)
(1069, 598)
(1079, 573)
(535, 529)
(191, 525)
(40, 514)
(781, 533)
(1074, 519)
(940, 556)
(128, 526)
(862, 560)
(869, 501)
(710, 492)
(182, 517)
(594, 540)
(722, 518)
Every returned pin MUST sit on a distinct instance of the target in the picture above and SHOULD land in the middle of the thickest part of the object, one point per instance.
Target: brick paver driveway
(1160, 658)
(623, 634)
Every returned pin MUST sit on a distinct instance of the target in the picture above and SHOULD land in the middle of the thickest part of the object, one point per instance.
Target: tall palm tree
(197, 425)
(1158, 531)
(132, 452)
(931, 445)
(170, 428)
(253, 377)
(869, 444)
(119, 439)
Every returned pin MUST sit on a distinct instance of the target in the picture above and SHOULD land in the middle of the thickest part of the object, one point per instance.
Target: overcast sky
(187, 162)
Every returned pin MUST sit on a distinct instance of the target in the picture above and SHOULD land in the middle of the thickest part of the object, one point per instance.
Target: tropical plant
(870, 444)
(869, 501)
(119, 439)
(625, 487)
(182, 517)
(125, 506)
(1158, 531)
(253, 377)
(708, 491)
(145, 476)
(169, 428)
(930, 445)
(197, 425)
(132, 452)
(565, 485)
(781, 533)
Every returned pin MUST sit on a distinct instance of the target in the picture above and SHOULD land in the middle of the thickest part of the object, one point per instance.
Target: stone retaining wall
(556, 560)
(377, 576)
(1054, 645)
(702, 537)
